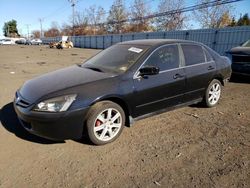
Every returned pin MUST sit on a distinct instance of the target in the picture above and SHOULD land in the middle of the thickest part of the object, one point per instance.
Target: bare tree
(172, 21)
(66, 29)
(36, 34)
(81, 23)
(138, 11)
(55, 25)
(117, 17)
(53, 31)
(214, 17)
(96, 17)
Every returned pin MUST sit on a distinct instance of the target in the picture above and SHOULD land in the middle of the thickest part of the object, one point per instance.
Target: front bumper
(54, 126)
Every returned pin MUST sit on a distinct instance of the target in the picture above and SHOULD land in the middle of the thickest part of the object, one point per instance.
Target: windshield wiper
(94, 69)
(79, 64)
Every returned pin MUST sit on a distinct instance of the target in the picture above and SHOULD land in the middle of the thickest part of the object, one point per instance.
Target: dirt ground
(187, 147)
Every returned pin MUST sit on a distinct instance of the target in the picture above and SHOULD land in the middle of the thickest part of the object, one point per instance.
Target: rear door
(199, 69)
(163, 90)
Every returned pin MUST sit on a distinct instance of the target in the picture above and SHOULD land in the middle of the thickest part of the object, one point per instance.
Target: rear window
(193, 54)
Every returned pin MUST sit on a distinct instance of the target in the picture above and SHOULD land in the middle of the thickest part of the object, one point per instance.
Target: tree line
(136, 18)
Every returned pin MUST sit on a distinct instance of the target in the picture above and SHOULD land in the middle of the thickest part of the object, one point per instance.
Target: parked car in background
(36, 41)
(28, 42)
(6, 41)
(125, 82)
(21, 41)
(241, 59)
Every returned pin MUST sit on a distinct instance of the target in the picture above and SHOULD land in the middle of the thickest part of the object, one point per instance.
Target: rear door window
(208, 56)
(193, 54)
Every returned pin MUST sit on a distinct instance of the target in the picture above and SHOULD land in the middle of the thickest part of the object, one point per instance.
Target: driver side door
(165, 89)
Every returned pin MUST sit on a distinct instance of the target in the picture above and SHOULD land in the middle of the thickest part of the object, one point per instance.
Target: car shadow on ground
(9, 121)
(240, 79)
(85, 140)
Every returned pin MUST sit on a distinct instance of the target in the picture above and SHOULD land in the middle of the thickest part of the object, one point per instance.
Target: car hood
(38, 87)
(240, 50)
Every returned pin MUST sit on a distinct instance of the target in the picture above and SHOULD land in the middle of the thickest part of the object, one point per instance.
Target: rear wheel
(213, 93)
(105, 122)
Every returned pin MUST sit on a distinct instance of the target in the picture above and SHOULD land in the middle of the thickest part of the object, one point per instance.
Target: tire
(213, 93)
(100, 126)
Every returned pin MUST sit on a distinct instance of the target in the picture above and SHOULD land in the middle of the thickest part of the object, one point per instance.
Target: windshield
(246, 44)
(117, 58)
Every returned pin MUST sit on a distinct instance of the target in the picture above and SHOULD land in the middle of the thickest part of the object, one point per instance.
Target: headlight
(58, 104)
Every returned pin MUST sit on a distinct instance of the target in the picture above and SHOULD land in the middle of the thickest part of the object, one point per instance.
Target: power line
(133, 6)
(182, 10)
(154, 15)
(61, 9)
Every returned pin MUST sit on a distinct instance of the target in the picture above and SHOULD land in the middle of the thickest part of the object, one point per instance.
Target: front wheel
(105, 122)
(213, 93)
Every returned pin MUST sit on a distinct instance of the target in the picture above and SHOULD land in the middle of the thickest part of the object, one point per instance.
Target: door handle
(210, 68)
(176, 76)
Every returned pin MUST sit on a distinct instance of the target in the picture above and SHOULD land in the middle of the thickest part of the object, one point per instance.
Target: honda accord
(125, 82)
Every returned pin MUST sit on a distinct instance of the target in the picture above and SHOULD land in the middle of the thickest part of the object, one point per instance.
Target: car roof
(156, 42)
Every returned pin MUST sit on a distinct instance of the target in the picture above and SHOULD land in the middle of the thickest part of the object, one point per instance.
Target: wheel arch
(220, 78)
(121, 102)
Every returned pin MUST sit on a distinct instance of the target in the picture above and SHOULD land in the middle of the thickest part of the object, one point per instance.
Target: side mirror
(149, 70)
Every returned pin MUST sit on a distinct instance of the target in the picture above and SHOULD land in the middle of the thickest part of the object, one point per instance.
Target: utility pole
(27, 25)
(41, 26)
(8, 33)
(73, 3)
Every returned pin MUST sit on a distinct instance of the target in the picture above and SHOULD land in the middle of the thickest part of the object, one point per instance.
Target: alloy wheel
(214, 93)
(107, 124)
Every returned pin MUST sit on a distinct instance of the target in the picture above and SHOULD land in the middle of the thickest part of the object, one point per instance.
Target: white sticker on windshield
(136, 50)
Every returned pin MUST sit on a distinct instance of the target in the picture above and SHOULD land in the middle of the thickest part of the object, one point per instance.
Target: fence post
(215, 39)
(111, 40)
(84, 41)
(103, 42)
(96, 42)
(81, 39)
(186, 35)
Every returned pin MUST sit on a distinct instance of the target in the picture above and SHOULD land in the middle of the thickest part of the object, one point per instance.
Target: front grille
(20, 101)
(240, 58)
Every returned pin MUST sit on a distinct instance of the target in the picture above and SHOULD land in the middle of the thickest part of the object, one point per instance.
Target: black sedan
(123, 83)
(241, 59)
